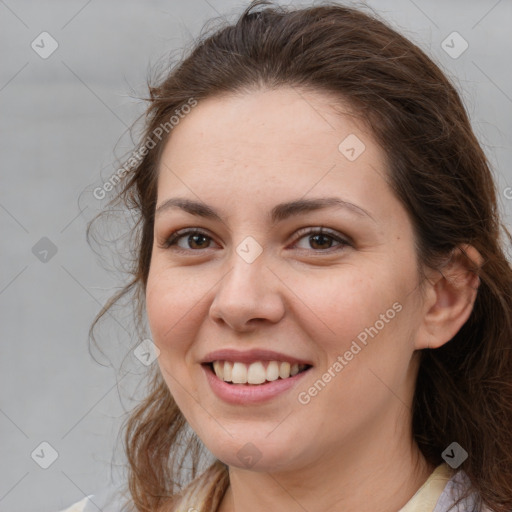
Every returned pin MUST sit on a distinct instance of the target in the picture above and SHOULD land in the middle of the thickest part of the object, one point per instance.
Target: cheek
(172, 303)
(173, 309)
(344, 304)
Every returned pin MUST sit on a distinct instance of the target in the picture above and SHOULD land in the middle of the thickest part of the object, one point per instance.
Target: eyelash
(302, 233)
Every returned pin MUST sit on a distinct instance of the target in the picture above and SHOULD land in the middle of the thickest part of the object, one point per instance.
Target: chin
(253, 452)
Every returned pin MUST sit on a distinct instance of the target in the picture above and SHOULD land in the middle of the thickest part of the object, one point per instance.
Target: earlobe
(449, 298)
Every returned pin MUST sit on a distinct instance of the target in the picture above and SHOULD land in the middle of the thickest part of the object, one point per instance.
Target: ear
(449, 297)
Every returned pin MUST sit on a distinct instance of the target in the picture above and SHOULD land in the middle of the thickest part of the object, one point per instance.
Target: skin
(350, 448)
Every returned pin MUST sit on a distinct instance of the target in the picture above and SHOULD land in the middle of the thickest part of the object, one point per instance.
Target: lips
(252, 356)
(252, 376)
(257, 372)
(246, 393)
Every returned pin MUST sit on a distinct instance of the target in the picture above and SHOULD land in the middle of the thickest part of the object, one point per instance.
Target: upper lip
(251, 356)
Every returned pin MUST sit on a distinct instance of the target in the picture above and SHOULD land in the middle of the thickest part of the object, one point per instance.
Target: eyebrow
(279, 213)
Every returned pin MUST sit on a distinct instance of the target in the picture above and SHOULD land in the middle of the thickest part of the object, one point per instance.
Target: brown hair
(436, 168)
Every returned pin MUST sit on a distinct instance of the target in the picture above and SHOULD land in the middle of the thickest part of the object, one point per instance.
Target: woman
(320, 261)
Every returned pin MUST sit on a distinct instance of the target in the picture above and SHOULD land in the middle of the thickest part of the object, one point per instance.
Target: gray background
(61, 118)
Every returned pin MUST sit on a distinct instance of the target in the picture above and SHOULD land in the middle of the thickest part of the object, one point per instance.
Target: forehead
(267, 147)
(265, 125)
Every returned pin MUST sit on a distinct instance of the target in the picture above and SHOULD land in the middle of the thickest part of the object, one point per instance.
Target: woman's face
(257, 175)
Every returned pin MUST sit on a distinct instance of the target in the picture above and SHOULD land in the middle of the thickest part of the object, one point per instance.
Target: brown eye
(325, 242)
(193, 240)
(320, 240)
(197, 240)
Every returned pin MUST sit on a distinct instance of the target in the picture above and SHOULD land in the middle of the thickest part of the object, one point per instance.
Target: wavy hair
(437, 170)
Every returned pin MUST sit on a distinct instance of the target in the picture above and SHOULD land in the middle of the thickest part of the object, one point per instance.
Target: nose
(248, 295)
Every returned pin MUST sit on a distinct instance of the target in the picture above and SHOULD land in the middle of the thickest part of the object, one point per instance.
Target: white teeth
(239, 373)
(255, 373)
(219, 369)
(228, 368)
(284, 370)
(273, 371)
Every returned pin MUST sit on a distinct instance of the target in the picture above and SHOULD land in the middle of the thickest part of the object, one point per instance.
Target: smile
(256, 373)
(248, 382)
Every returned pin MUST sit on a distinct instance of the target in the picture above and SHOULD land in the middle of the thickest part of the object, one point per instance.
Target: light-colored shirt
(438, 494)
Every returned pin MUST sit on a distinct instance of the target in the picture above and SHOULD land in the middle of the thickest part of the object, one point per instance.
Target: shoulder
(79, 506)
(108, 499)
(458, 485)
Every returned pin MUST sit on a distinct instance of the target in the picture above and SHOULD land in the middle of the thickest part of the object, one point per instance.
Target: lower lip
(238, 394)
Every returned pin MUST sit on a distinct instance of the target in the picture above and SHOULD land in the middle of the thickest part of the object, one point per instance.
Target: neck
(380, 475)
